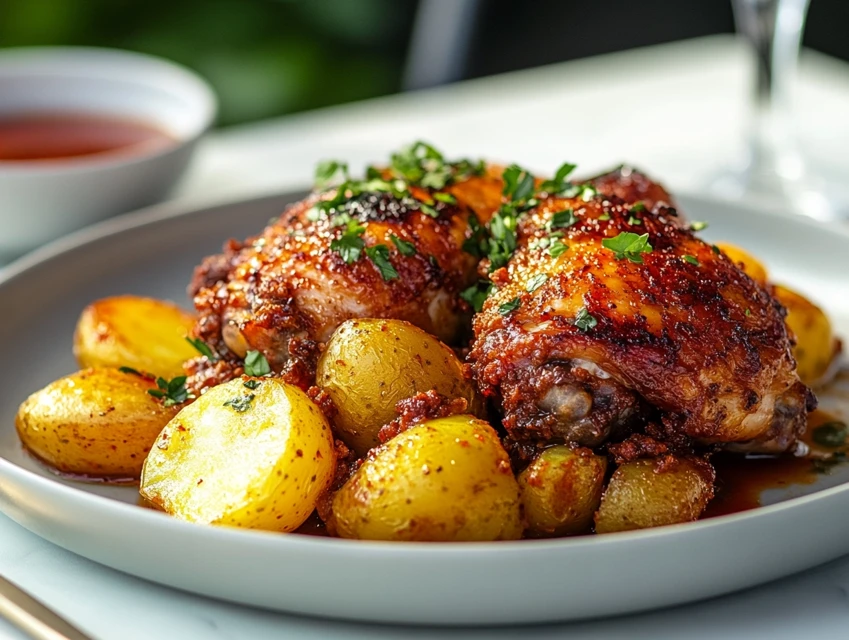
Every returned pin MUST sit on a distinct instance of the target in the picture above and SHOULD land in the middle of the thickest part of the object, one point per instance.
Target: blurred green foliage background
(263, 57)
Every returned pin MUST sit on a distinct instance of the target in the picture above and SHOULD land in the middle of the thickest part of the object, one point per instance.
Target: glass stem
(774, 29)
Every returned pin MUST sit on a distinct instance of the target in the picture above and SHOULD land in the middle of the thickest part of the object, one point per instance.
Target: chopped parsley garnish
(502, 243)
(507, 307)
(715, 249)
(132, 371)
(638, 207)
(692, 260)
(604, 216)
(350, 244)
(251, 384)
(698, 226)
(327, 170)
(562, 220)
(404, 248)
(447, 198)
(536, 282)
(628, 245)
(634, 220)
(545, 241)
(241, 403)
(831, 434)
(558, 183)
(256, 365)
(420, 164)
(748, 312)
(584, 321)
(557, 249)
(379, 255)
(428, 210)
(518, 183)
(587, 192)
(171, 391)
(202, 348)
(477, 244)
(477, 294)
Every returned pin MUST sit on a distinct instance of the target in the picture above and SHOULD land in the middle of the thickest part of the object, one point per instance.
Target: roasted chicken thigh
(611, 318)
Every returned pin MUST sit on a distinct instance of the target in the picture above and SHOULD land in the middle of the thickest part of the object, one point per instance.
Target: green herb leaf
(256, 365)
(240, 403)
(478, 243)
(562, 220)
(628, 245)
(477, 294)
(326, 170)
(172, 391)
(558, 183)
(502, 244)
(638, 207)
(604, 216)
(692, 260)
(202, 348)
(518, 183)
(698, 226)
(132, 371)
(831, 434)
(748, 312)
(507, 307)
(634, 220)
(715, 249)
(447, 198)
(536, 282)
(429, 210)
(251, 384)
(350, 244)
(584, 321)
(557, 249)
(379, 255)
(404, 248)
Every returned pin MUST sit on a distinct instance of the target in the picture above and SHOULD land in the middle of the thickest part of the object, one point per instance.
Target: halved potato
(816, 346)
(650, 493)
(751, 266)
(370, 365)
(97, 423)
(142, 333)
(443, 480)
(561, 490)
(253, 452)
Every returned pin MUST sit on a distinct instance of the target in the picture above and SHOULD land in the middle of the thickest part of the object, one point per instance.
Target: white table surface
(676, 110)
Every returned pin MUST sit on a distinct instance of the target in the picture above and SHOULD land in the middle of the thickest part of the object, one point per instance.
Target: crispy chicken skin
(288, 286)
(631, 185)
(683, 343)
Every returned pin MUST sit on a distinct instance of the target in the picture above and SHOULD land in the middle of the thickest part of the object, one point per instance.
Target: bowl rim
(111, 65)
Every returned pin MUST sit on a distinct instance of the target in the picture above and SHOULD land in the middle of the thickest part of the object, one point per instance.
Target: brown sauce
(58, 136)
(740, 480)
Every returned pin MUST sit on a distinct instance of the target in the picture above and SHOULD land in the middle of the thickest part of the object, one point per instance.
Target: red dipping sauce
(60, 136)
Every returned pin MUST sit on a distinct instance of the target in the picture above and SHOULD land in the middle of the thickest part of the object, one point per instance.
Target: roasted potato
(651, 493)
(443, 480)
(142, 333)
(253, 452)
(751, 266)
(816, 345)
(561, 490)
(369, 365)
(97, 423)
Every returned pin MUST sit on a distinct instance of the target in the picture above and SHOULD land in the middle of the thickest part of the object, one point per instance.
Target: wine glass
(775, 173)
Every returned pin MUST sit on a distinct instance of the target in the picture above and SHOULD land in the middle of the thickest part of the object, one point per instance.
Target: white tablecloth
(676, 110)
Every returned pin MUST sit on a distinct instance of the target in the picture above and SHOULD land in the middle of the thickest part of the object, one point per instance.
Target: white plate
(153, 253)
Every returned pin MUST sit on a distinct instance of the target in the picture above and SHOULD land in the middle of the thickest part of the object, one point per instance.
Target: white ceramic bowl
(44, 200)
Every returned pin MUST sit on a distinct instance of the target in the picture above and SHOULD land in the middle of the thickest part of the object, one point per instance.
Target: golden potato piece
(370, 365)
(561, 490)
(142, 333)
(97, 423)
(816, 345)
(650, 493)
(443, 480)
(253, 452)
(751, 266)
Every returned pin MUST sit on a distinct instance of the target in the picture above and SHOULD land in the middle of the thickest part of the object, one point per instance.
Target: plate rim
(164, 211)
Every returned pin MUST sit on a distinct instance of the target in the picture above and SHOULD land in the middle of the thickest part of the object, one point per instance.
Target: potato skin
(816, 346)
(142, 333)
(653, 493)
(561, 490)
(244, 457)
(370, 365)
(96, 423)
(444, 480)
(751, 266)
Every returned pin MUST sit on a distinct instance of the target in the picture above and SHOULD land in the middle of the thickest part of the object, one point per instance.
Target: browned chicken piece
(657, 328)
(631, 185)
(378, 254)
